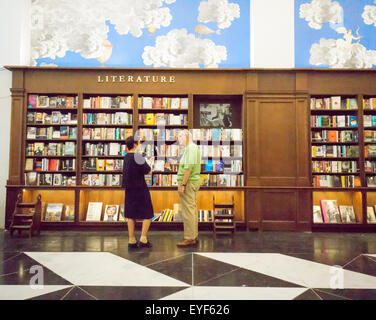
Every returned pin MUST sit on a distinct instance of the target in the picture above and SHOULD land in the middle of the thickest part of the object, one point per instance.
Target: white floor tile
(236, 293)
(102, 269)
(302, 272)
(26, 292)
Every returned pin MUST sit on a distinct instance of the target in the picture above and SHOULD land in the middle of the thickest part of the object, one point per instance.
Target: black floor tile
(19, 271)
(179, 268)
(328, 295)
(246, 278)
(308, 295)
(362, 264)
(352, 294)
(16, 264)
(131, 293)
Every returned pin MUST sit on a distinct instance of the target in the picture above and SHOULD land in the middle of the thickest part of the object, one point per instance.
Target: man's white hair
(186, 133)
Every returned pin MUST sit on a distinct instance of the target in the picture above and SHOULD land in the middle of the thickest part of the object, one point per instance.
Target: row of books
(207, 180)
(102, 164)
(104, 149)
(119, 102)
(111, 213)
(369, 121)
(221, 151)
(334, 103)
(217, 134)
(162, 103)
(335, 151)
(333, 121)
(221, 166)
(162, 119)
(334, 166)
(167, 215)
(51, 133)
(333, 181)
(48, 179)
(54, 117)
(124, 118)
(369, 136)
(330, 212)
(162, 150)
(369, 103)
(43, 101)
(223, 212)
(335, 136)
(53, 212)
(370, 166)
(146, 134)
(370, 150)
(109, 180)
(106, 133)
(205, 215)
(50, 164)
(51, 149)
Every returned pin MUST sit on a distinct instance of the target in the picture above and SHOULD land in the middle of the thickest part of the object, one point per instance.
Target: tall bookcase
(342, 167)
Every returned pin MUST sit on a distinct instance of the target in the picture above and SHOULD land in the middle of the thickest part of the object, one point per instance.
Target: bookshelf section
(334, 142)
(51, 140)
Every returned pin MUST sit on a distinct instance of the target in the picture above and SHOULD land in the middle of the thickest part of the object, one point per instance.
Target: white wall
(14, 50)
(272, 34)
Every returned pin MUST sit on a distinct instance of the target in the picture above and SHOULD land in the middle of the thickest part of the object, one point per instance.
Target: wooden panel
(277, 140)
(252, 146)
(276, 81)
(279, 206)
(304, 213)
(302, 142)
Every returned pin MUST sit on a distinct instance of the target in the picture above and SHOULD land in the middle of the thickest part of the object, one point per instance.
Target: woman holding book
(138, 203)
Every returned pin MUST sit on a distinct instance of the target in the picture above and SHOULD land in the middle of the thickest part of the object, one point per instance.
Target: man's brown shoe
(187, 243)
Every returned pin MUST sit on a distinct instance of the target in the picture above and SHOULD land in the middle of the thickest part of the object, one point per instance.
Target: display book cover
(330, 212)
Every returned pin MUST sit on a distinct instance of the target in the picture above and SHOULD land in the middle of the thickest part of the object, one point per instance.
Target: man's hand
(181, 190)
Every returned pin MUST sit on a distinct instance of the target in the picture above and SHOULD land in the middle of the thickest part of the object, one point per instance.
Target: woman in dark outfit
(137, 197)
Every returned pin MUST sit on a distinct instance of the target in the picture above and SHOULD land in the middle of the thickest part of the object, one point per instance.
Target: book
(31, 178)
(69, 213)
(122, 214)
(94, 211)
(111, 212)
(317, 215)
(371, 215)
(54, 212)
(347, 214)
(330, 211)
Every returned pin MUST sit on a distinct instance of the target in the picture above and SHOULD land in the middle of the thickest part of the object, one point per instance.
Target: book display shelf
(294, 148)
(342, 150)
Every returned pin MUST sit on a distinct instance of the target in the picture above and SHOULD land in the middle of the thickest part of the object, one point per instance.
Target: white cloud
(220, 11)
(318, 12)
(178, 49)
(80, 26)
(342, 54)
(369, 15)
(44, 64)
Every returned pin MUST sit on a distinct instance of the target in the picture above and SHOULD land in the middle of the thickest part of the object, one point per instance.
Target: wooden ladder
(26, 216)
(218, 223)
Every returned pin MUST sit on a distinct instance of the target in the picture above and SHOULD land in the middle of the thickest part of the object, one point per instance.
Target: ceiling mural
(142, 33)
(335, 34)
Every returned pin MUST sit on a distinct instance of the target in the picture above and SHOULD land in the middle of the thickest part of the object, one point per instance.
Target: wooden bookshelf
(271, 106)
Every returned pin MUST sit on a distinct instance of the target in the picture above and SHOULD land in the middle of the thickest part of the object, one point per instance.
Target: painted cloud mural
(345, 50)
(86, 28)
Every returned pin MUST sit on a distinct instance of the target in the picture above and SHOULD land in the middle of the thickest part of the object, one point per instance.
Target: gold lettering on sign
(136, 78)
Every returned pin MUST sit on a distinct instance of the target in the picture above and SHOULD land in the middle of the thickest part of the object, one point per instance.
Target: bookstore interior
(291, 150)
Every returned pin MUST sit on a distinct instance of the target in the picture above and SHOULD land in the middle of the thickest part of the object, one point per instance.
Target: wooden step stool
(26, 216)
(218, 223)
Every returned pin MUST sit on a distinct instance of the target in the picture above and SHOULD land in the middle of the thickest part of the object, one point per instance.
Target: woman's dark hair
(130, 142)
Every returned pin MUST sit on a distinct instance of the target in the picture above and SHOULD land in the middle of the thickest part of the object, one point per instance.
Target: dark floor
(249, 265)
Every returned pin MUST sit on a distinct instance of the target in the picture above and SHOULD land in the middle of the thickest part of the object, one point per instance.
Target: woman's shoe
(133, 245)
(144, 245)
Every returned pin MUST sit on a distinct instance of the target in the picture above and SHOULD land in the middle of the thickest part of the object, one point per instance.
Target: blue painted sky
(127, 51)
(305, 36)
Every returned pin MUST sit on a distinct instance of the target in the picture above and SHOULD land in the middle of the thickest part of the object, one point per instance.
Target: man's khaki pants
(188, 204)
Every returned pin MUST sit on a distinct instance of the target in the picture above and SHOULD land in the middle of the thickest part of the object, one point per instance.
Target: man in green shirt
(189, 184)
